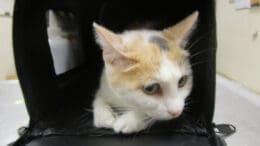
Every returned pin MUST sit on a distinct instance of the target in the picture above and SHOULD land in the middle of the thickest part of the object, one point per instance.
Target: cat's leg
(131, 122)
(104, 116)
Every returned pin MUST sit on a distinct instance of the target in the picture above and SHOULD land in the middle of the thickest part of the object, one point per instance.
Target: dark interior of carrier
(59, 100)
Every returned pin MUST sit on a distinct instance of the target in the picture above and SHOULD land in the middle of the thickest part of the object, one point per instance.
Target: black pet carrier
(59, 66)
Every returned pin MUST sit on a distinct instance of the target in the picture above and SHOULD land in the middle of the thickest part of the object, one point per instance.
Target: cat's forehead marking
(168, 71)
(153, 64)
(162, 43)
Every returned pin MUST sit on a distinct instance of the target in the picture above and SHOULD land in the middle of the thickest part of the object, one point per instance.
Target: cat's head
(149, 69)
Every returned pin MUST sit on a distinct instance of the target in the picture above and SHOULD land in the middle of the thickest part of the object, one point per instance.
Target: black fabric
(157, 140)
(60, 104)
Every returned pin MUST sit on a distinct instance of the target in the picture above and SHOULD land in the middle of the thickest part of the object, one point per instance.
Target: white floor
(12, 111)
(234, 104)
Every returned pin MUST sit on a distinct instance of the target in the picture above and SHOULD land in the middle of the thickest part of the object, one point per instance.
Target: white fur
(169, 74)
(141, 109)
(168, 70)
(130, 122)
(145, 35)
(104, 116)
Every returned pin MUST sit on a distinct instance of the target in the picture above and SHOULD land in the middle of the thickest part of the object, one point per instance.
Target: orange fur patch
(176, 54)
(147, 58)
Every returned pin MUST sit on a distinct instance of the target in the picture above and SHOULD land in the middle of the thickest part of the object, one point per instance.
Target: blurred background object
(6, 53)
(238, 54)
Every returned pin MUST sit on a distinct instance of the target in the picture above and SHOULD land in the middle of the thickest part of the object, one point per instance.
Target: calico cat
(146, 78)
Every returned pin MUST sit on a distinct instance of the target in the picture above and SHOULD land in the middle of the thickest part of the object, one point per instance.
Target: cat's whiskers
(199, 63)
(187, 110)
(188, 107)
(149, 126)
(198, 40)
(88, 110)
(199, 53)
(185, 116)
(188, 99)
(188, 103)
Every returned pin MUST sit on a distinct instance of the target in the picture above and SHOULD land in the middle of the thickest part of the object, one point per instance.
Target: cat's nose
(175, 113)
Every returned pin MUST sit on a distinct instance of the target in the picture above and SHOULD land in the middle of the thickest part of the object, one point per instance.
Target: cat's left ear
(180, 32)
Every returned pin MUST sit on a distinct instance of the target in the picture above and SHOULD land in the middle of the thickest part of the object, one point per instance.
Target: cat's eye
(183, 80)
(152, 89)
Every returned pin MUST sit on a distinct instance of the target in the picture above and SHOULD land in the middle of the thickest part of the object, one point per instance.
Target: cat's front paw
(128, 123)
(104, 119)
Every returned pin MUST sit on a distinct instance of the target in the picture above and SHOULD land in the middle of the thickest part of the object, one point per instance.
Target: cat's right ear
(111, 44)
(106, 38)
